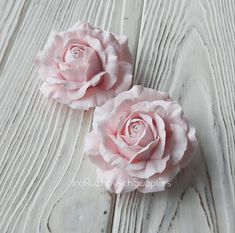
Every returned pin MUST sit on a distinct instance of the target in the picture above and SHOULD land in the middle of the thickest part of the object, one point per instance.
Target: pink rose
(140, 140)
(84, 66)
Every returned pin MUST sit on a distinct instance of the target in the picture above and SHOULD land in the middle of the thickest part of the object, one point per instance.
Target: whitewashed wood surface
(185, 47)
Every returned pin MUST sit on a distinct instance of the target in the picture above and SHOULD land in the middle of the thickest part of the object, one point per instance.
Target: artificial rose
(84, 66)
(140, 140)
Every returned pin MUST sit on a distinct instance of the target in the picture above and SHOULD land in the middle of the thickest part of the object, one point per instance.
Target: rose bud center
(74, 52)
(136, 127)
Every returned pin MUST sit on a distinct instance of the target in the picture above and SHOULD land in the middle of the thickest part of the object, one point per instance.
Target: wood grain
(12, 14)
(185, 47)
(42, 158)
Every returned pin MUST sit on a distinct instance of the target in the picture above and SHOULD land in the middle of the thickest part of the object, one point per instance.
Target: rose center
(77, 51)
(136, 127)
(74, 52)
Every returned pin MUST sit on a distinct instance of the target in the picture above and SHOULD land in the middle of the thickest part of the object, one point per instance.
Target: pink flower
(84, 66)
(140, 140)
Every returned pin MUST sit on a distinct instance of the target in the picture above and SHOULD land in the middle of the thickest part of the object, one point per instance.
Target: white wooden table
(185, 47)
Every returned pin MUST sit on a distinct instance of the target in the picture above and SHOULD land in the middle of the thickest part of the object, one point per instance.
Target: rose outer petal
(91, 147)
(118, 181)
(159, 181)
(153, 166)
(178, 144)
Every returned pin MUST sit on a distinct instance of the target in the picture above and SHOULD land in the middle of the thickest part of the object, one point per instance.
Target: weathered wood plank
(187, 48)
(41, 142)
(12, 13)
(184, 47)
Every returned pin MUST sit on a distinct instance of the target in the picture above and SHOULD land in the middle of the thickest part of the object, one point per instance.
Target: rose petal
(53, 44)
(158, 182)
(139, 93)
(124, 77)
(144, 153)
(146, 137)
(124, 149)
(175, 115)
(177, 144)
(55, 92)
(111, 67)
(125, 54)
(92, 149)
(112, 158)
(94, 65)
(74, 75)
(118, 181)
(97, 46)
(93, 97)
(192, 144)
(118, 161)
(78, 94)
(153, 166)
(148, 119)
(45, 65)
(159, 150)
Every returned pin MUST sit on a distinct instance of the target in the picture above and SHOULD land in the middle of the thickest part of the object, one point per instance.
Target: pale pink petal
(107, 39)
(160, 148)
(155, 106)
(55, 92)
(93, 97)
(175, 115)
(125, 54)
(74, 74)
(149, 120)
(114, 159)
(124, 77)
(97, 46)
(177, 144)
(146, 137)
(94, 65)
(124, 149)
(92, 149)
(153, 166)
(54, 44)
(158, 182)
(117, 180)
(81, 92)
(46, 67)
(192, 144)
(103, 114)
(145, 153)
